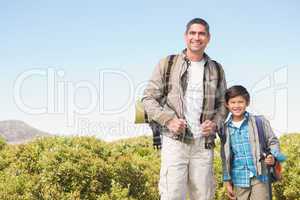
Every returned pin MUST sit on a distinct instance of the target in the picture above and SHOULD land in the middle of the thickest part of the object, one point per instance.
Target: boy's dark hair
(237, 90)
(197, 21)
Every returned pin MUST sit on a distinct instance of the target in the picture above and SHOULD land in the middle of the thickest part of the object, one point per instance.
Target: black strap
(261, 134)
(264, 150)
(218, 68)
(168, 73)
(222, 134)
(146, 117)
(156, 131)
(157, 128)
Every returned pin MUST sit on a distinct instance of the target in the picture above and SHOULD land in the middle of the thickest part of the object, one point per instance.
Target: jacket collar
(186, 59)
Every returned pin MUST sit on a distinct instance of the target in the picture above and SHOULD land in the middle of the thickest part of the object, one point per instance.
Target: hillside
(15, 131)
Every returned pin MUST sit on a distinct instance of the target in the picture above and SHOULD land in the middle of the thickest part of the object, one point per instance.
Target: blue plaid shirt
(243, 168)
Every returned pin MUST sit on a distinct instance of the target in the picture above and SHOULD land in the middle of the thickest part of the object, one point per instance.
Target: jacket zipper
(203, 102)
(181, 95)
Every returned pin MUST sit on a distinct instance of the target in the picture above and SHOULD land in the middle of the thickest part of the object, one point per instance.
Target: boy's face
(237, 106)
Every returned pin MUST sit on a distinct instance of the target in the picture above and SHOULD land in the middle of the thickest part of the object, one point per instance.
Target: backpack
(275, 171)
(141, 115)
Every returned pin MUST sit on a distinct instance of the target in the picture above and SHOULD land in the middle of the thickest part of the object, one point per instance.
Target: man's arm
(221, 111)
(153, 95)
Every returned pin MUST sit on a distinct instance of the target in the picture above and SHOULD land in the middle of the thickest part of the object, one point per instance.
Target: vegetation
(86, 168)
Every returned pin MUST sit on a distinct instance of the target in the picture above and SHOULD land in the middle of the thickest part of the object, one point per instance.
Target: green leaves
(79, 168)
(62, 168)
(289, 187)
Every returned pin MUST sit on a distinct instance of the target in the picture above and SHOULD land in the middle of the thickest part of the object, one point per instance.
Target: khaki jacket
(161, 109)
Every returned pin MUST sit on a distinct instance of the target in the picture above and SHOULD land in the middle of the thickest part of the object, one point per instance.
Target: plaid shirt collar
(228, 121)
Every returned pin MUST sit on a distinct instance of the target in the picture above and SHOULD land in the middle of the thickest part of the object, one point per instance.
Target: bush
(86, 168)
(2, 143)
(288, 188)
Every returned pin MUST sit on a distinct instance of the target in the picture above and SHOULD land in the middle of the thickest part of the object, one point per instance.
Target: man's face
(196, 38)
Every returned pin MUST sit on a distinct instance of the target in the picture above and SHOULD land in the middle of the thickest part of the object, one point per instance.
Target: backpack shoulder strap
(222, 134)
(168, 73)
(218, 68)
(156, 128)
(261, 134)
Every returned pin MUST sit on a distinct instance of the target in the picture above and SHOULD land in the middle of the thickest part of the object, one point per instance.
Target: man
(189, 114)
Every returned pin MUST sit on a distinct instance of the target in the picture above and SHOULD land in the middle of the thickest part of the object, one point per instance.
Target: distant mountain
(15, 132)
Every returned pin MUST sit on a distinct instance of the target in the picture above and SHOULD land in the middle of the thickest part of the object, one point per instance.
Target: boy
(244, 172)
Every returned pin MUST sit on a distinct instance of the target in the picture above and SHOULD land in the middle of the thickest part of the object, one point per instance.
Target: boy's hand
(230, 192)
(176, 125)
(208, 127)
(270, 160)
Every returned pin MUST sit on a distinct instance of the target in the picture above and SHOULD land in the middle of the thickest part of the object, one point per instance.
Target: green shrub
(62, 168)
(2, 143)
(288, 188)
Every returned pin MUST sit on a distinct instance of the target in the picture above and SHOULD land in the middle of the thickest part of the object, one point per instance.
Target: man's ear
(226, 105)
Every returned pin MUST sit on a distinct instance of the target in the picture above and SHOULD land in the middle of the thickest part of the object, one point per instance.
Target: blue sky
(257, 43)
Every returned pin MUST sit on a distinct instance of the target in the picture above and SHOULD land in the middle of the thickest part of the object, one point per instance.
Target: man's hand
(230, 192)
(208, 127)
(270, 160)
(176, 126)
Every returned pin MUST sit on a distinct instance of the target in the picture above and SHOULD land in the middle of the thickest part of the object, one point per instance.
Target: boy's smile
(237, 106)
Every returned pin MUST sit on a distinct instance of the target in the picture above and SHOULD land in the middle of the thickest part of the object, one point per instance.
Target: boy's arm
(272, 141)
(226, 175)
(230, 191)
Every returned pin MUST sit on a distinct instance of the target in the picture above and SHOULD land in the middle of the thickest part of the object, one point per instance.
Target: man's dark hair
(197, 21)
(237, 90)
